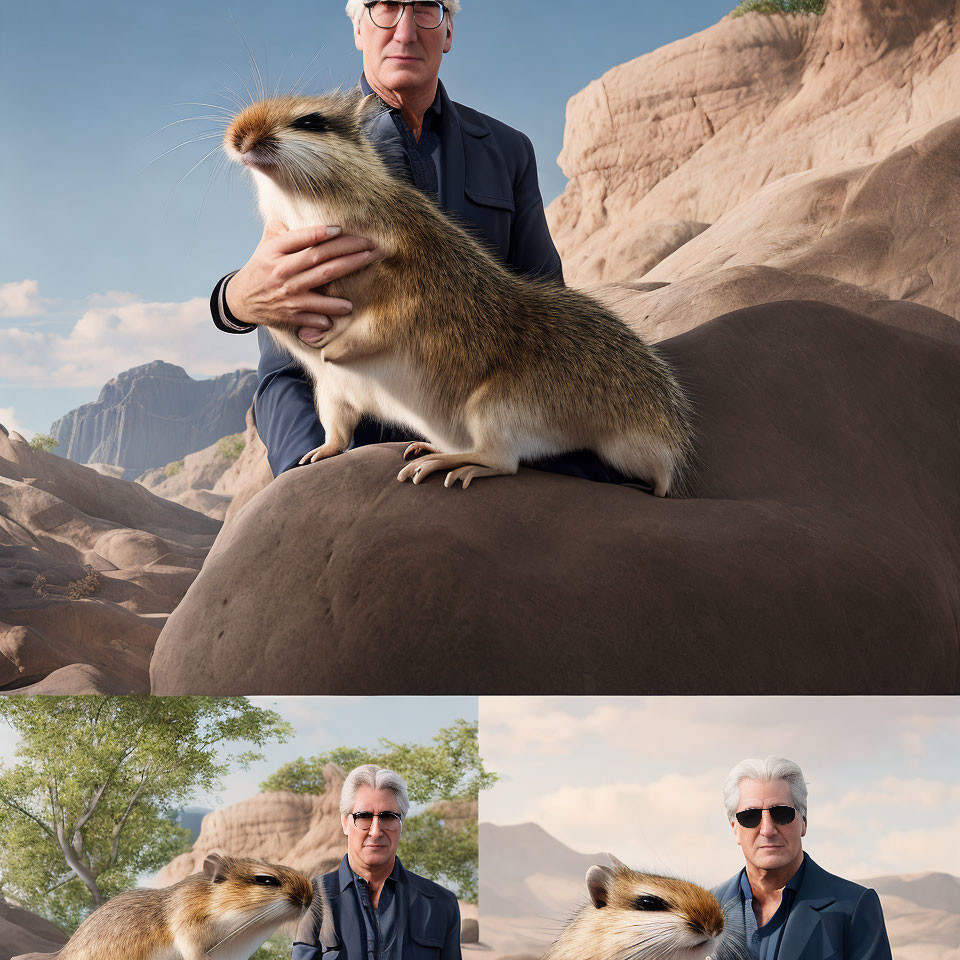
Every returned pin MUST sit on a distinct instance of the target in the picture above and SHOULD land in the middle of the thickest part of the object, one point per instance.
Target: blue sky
(110, 248)
(641, 777)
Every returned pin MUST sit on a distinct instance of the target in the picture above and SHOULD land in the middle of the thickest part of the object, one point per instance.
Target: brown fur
(614, 927)
(510, 368)
(188, 918)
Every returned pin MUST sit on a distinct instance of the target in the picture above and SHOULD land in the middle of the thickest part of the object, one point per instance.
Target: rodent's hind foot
(321, 453)
(417, 449)
(465, 466)
(466, 474)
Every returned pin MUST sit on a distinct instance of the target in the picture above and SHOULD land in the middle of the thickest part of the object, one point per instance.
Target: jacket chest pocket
(425, 946)
(492, 220)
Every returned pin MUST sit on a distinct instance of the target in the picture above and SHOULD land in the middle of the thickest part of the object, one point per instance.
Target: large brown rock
(693, 130)
(297, 829)
(91, 567)
(22, 931)
(818, 552)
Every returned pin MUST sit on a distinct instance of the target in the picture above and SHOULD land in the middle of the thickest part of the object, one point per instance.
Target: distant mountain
(154, 414)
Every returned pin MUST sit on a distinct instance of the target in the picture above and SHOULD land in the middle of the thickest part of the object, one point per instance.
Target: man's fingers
(333, 270)
(294, 240)
(318, 303)
(298, 263)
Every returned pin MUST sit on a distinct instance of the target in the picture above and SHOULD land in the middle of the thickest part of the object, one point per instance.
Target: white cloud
(20, 298)
(673, 825)
(112, 298)
(8, 418)
(107, 340)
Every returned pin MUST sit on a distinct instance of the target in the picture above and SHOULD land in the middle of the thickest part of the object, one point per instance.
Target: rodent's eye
(266, 880)
(314, 122)
(651, 903)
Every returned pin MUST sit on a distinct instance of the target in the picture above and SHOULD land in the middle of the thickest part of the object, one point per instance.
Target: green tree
(91, 802)
(44, 443)
(778, 6)
(450, 769)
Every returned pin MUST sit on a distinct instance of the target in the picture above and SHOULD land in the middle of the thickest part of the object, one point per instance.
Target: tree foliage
(450, 769)
(44, 443)
(779, 6)
(91, 801)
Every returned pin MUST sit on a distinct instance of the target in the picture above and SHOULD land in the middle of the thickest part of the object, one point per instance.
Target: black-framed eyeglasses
(388, 820)
(780, 814)
(428, 14)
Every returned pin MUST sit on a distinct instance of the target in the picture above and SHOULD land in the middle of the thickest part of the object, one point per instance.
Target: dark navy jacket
(831, 918)
(432, 927)
(489, 176)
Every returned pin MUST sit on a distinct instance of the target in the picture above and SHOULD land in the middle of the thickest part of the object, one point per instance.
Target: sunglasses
(388, 819)
(781, 815)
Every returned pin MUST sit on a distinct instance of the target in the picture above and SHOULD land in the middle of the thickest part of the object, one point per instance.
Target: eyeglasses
(363, 819)
(428, 14)
(781, 815)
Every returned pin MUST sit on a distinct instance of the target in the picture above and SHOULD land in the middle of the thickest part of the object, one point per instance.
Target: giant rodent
(239, 901)
(640, 916)
(491, 368)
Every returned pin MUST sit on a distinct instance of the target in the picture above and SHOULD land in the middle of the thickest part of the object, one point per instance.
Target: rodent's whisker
(258, 77)
(199, 139)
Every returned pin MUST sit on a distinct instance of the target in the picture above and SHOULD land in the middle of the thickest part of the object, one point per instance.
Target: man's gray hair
(355, 8)
(773, 768)
(377, 778)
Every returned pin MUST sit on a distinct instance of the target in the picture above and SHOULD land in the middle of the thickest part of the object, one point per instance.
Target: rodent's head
(306, 145)
(248, 886)
(640, 915)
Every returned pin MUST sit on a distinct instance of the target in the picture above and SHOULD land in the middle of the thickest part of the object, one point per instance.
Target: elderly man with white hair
(474, 166)
(786, 906)
(370, 907)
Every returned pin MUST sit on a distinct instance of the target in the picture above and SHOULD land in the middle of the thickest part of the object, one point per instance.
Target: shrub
(44, 443)
(231, 447)
(779, 6)
(86, 586)
(40, 585)
(173, 468)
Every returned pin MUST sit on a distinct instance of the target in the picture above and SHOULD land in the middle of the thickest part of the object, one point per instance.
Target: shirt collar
(434, 107)
(346, 876)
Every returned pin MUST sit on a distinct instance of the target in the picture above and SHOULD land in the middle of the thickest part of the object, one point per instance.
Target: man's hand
(279, 282)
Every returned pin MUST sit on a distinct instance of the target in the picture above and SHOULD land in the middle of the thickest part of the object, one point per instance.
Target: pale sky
(641, 777)
(114, 234)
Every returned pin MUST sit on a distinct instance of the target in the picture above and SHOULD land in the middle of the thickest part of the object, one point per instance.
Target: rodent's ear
(599, 879)
(215, 868)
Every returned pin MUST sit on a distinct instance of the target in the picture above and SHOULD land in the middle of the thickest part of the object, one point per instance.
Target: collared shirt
(419, 161)
(763, 943)
(385, 924)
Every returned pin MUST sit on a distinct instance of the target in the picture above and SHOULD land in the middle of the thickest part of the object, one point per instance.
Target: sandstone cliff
(151, 415)
(824, 146)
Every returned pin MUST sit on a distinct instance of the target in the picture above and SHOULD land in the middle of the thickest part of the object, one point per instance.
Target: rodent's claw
(417, 449)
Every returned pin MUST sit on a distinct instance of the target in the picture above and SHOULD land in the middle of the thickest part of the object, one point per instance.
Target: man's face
(768, 846)
(405, 58)
(375, 847)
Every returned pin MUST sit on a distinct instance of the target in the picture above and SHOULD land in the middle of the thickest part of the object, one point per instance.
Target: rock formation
(154, 414)
(91, 567)
(22, 931)
(297, 829)
(824, 518)
(760, 121)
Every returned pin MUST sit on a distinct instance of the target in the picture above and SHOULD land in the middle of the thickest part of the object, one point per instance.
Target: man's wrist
(223, 317)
